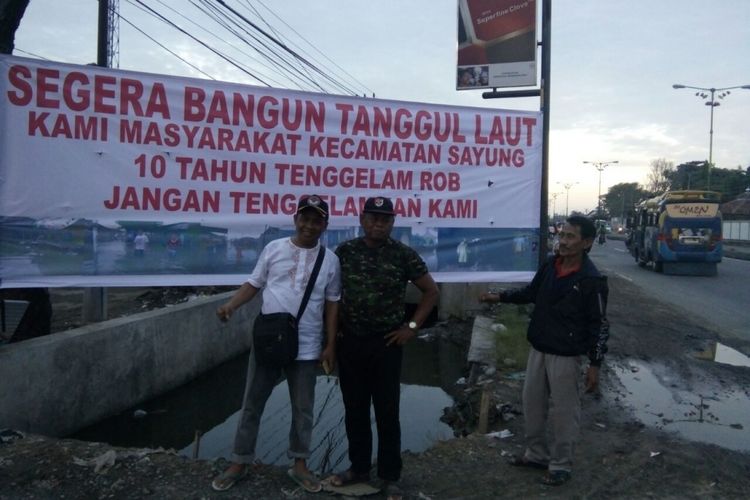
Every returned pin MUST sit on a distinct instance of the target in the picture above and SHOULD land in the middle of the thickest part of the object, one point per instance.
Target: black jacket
(569, 317)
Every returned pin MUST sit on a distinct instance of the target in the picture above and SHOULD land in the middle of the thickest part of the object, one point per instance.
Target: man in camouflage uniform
(375, 270)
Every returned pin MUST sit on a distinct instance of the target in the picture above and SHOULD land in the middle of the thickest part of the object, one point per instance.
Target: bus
(679, 232)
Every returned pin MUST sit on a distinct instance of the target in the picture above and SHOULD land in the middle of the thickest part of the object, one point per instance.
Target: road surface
(722, 301)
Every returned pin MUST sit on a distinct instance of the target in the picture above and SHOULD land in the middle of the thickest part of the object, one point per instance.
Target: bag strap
(311, 282)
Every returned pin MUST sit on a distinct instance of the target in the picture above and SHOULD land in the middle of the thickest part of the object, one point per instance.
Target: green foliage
(512, 346)
(694, 175)
(621, 198)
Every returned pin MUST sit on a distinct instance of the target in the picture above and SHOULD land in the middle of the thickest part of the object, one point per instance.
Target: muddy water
(717, 415)
(209, 406)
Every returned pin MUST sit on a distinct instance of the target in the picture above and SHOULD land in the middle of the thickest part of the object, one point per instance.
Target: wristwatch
(413, 326)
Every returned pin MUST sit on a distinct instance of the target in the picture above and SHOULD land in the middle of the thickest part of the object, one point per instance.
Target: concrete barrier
(60, 383)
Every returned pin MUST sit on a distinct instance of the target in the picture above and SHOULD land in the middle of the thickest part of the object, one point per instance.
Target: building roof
(738, 206)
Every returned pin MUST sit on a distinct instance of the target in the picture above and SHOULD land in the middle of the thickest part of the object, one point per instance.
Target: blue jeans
(261, 380)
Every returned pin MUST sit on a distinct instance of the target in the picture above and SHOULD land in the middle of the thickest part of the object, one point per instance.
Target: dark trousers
(370, 372)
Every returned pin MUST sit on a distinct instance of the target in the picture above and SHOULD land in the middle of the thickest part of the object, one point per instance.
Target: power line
(277, 34)
(314, 47)
(223, 20)
(16, 49)
(165, 48)
(279, 57)
(223, 56)
(222, 40)
(284, 47)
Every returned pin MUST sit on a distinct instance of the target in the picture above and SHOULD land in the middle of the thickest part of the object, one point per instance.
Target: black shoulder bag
(275, 336)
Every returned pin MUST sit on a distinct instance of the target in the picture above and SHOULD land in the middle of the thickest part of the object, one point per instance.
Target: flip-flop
(227, 479)
(522, 461)
(555, 478)
(347, 477)
(393, 492)
(309, 482)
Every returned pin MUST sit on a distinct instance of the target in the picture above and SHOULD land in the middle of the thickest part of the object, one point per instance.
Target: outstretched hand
(489, 297)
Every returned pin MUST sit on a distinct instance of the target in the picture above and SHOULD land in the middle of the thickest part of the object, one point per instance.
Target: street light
(554, 199)
(567, 187)
(722, 93)
(599, 165)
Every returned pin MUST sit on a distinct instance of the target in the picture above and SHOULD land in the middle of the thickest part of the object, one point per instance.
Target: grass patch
(511, 344)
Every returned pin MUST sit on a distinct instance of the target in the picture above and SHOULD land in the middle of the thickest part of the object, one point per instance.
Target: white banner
(113, 178)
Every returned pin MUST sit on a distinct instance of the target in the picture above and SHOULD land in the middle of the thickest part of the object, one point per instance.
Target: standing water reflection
(210, 405)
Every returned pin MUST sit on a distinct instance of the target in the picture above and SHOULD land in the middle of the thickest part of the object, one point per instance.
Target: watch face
(413, 325)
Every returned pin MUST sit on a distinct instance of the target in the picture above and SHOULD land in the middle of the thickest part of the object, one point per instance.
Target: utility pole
(95, 298)
(600, 165)
(712, 103)
(544, 93)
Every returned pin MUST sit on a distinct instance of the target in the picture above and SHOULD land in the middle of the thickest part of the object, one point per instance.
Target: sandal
(308, 481)
(228, 478)
(522, 461)
(348, 477)
(555, 478)
(393, 492)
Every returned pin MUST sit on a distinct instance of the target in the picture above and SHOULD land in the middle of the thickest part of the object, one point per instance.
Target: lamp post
(554, 199)
(722, 93)
(600, 165)
(567, 187)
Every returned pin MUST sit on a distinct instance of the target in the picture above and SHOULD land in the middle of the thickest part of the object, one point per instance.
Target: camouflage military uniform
(372, 305)
(374, 285)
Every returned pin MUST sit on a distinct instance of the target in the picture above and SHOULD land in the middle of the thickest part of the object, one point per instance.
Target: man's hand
(224, 312)
(592, 379)
(328, 358)
(400, 336)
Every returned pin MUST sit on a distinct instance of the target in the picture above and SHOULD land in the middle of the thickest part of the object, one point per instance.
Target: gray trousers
(552, 394)
(260, 382)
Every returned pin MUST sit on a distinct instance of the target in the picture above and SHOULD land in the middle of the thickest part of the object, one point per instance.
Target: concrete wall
(460, 300)
(60, 383)
(737, 230)
(57, 384)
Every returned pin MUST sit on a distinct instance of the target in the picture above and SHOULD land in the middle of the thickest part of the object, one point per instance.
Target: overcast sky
(613, 66)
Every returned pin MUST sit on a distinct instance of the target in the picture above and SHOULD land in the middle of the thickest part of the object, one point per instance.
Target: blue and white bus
(678, 232)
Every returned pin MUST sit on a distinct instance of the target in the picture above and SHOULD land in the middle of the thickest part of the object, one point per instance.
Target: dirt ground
(617, 457)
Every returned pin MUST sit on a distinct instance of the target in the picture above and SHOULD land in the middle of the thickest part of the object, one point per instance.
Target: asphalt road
(722, 301)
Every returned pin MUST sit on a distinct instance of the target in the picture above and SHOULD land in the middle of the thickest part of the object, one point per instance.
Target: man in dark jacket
(569, 320)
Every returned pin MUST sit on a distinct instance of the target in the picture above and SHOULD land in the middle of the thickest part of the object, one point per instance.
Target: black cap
(379, 205)
(313, 201)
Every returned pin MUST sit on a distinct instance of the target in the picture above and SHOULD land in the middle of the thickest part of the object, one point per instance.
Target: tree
(693, 175)
(690, 175)
(620, 198)
(11, 12)
(659, 176)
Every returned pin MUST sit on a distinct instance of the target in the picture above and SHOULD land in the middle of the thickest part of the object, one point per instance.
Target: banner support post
(544, 93)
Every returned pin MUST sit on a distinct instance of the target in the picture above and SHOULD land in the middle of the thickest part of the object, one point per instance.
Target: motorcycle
(602, 238)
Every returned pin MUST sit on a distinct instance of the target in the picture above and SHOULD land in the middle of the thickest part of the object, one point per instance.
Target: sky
(613, 67)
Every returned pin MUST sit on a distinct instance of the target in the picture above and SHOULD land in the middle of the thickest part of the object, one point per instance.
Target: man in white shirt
(282, 273)
(139, 243)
